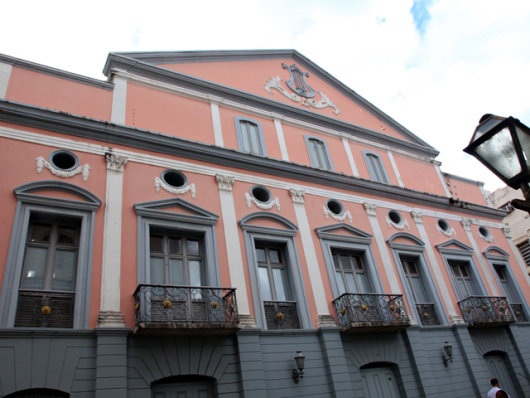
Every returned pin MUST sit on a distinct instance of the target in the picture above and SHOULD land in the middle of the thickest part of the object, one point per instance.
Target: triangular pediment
(452, 245)
(344, 232)
(177, 209)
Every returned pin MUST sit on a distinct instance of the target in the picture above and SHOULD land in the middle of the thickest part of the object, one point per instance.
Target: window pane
(254, 138)
(352, 287)
(463, 270)
(176, 272)
(462, 287)
(40, 232)
(67, 236)
(470, 287)
(274, 255)
(175, 246)
(244, 137)
(412, 268)
(345, 262)
(264, 284)
(336, 261)
(357, 263)
(456, 270)
(34, 268)
(193, 248)
(363, 282)
(155, 243)
(195, 273)
(500, 274)
(418, 289)
(280, 283)
(322, 155)
(157, 270)
(340, 282)
(313, 153)
(64, 271)
(508, 292)
(260, 253)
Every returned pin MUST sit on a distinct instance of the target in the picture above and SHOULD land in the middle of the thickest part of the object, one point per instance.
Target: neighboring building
(136, 210)
(517, 220)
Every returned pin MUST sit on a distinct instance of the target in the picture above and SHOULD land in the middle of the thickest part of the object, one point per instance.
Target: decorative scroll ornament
(417, 216)
(336, 217)
(488, 239)
(302, 91)
(261, 205)
(62, 173)
(176, 191)
(370, 208)
(297, 195)
(401, 225)
(224, 182)
(449, 233)
(115, 162)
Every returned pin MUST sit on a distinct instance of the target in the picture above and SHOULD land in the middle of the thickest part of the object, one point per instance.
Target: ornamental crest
(302, 92)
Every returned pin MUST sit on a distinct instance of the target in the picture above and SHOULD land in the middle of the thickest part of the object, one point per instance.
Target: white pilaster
(383, 250)
(310, 253)
(442, 180)
(446, 297)
(396, 171)
(353, 166)
(119, 100)
(281, 138)
(517, 254)
(466, 222)
(5, 75)
(110, 314)
(216, 119)
(233, 247)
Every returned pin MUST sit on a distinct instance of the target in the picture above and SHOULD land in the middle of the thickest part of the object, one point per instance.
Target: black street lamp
(502, 144)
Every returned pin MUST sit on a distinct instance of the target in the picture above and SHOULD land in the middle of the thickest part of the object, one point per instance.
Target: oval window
(174, 178)
(63, 160)
(261, 194)
(484, 232)
(395, 217)
(335, 207)
(444, 225)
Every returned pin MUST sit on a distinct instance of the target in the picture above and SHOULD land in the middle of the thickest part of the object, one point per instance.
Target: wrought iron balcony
(486, 311)
(185, 310)
(281, 315)
(427, 314)
(41, 309)
(518, 311)
(371, 312)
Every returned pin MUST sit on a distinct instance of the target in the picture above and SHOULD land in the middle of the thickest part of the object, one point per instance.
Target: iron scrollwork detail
(45, 309)
(427, 314)
(486, 310)
(281, 315)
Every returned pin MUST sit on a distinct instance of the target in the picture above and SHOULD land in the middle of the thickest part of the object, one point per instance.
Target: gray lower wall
(259, 364)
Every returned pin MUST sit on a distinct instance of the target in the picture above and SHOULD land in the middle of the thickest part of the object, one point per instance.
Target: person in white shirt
(495, 386)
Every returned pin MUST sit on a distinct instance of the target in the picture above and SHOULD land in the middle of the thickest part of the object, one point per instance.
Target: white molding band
(5, 75)
(353, 166)
(281, 138)
(395, 168)
(41, 162)
(309, 252)
(442, 179)
(110, 314)
(21, 135)
(453, 316)
(119, 100)
(466, 223)
(216, 120)
(233, 245)
(382, 247)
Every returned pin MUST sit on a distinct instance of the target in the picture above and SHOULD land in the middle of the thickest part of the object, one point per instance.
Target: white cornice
(74, 145)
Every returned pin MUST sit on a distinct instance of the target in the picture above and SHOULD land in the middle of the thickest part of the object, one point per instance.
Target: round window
(261, 194)
(174, 178)
(63, 159)
(395, 217)
(484, 232)
(335, 207)
(444, 225)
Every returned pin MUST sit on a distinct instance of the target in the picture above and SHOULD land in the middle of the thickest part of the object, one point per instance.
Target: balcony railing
(486, 311)
(163, 309)
(39, 309)
(427, 314)
(371, 312)
(518, 311)
(281, 315)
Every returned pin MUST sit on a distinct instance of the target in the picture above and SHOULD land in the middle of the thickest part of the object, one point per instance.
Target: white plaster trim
(485, 268)
(519, 259)
(488, 239)
(400, 226)
(456, 319)
(449, 233)
(336, 217)
(442, 179)
(233, 245)
(346, 144)
(73, 145)
(396, 171)
(281, 139)
(216, 120)
(485, 195)
(176, 191)
(119, 100)
(41, 162)
(5, 75)
(261, 205)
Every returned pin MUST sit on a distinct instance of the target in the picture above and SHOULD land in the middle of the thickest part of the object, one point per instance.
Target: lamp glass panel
(499, 154)
(524, 139)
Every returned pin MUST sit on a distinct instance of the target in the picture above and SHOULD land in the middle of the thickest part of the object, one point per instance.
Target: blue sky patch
(421, 15)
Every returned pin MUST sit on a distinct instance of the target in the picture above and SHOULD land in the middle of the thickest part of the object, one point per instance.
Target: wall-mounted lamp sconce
(448, 348)
(298, 374)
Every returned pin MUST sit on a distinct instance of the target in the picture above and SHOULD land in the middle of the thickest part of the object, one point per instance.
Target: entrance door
(380, 383)
(199, 389)
(498, 369)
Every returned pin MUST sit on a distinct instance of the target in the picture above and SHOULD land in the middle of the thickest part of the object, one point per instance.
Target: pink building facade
(188, 225)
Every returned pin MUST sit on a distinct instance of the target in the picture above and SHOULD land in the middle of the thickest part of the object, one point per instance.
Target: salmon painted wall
(419, 175)
(167, 113)
(22, 156)
(465, 191)
(362, 168)
(251, 76)
(59, 94)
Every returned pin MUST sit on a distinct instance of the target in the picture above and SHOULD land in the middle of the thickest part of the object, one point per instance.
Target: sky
(435, 66)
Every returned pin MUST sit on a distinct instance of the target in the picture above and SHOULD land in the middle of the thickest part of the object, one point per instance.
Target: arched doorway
(380, 381)
(184, 387)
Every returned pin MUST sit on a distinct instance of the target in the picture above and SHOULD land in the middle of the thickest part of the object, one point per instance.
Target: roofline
(117, 61)
(47, 70)
(463, 179)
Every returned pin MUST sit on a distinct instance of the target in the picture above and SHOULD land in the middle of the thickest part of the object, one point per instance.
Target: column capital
(297, 195)
(507, 232)
(370, 208)
(466, 223)
(418, 217)
(224, 183)
(115, 162)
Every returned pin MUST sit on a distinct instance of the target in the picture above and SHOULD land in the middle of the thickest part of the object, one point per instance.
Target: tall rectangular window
(463, 279)
(318, 154)
(375, 167)
(350, 273)
(250, 137)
